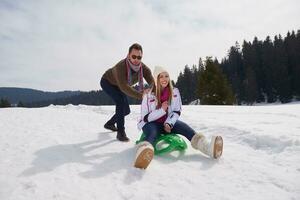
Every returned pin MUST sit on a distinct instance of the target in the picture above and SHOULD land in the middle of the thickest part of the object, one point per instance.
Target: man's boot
(111, 127)
(121, 135)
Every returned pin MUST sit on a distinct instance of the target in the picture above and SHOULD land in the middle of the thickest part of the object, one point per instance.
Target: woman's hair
(159, 89)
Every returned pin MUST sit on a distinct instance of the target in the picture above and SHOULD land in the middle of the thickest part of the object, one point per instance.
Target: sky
(68, 45)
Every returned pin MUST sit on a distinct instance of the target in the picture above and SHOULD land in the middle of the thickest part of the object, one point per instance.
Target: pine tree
(296, 70)
(4, 103)
(281, 77)
(267, 68)
(258, 70)
(250, 82)
(181, 85)
(20, 104)
(292, 46)
(235, 71)
(250, 86)
(185, 82)
(213, 88)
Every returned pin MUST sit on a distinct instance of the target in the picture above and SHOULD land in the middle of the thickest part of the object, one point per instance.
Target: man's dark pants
(122, 105)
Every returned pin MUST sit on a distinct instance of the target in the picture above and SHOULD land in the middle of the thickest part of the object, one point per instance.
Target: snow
(63, 152)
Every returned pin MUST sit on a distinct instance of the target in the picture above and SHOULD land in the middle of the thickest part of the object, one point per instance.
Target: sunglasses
(136, 57)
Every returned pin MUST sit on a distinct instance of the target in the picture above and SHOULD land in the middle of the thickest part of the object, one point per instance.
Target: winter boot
(121, 135)
(144, 155)
(214, 149)
(111, 127)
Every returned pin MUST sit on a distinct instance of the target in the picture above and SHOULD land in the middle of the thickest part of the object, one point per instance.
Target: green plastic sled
(173, 141)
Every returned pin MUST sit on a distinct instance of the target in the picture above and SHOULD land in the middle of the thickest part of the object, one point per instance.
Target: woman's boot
(214, 149)
(144, 155)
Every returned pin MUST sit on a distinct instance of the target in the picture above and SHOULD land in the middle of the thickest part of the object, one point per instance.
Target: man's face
(135, 56)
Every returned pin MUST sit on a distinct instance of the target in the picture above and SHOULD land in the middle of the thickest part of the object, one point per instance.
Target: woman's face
(163, 79)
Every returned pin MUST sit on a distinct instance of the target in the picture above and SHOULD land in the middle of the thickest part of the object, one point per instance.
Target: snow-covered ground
(63, 152)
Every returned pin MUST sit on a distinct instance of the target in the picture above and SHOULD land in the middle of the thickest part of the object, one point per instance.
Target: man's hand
(167, 128)
(165, 105)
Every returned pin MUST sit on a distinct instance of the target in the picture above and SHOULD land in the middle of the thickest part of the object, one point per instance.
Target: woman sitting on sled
(160, 111)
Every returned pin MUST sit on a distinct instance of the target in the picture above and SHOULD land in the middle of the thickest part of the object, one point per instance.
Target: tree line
(5, 103)
(98, 97)
(259, 71)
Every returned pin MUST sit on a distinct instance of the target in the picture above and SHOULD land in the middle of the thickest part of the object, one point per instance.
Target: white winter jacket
(149, 112)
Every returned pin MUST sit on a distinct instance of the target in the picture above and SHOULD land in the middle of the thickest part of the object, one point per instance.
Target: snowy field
(63, 152)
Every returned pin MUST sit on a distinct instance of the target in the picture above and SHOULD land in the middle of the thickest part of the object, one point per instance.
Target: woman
(160, 111)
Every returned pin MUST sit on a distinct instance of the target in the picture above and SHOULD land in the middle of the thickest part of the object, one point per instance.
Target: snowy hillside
(63, 152)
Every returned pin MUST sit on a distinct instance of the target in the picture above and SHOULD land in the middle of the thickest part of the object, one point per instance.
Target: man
(117, 82)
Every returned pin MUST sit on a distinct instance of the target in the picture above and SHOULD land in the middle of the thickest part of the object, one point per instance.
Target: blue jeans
(122, 105)
(153, 129)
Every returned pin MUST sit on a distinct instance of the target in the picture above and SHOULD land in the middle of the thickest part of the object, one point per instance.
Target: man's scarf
(138, 69)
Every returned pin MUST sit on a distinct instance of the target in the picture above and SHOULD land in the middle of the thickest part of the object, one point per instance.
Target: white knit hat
(157, 71)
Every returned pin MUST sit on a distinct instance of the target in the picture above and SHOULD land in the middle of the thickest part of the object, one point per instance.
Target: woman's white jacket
(149, 112)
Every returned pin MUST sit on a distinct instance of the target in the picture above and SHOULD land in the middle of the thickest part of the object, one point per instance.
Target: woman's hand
(165, 105)
(146, 91)
(167, 128)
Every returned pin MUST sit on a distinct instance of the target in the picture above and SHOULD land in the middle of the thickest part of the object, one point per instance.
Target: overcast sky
(59, 45)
